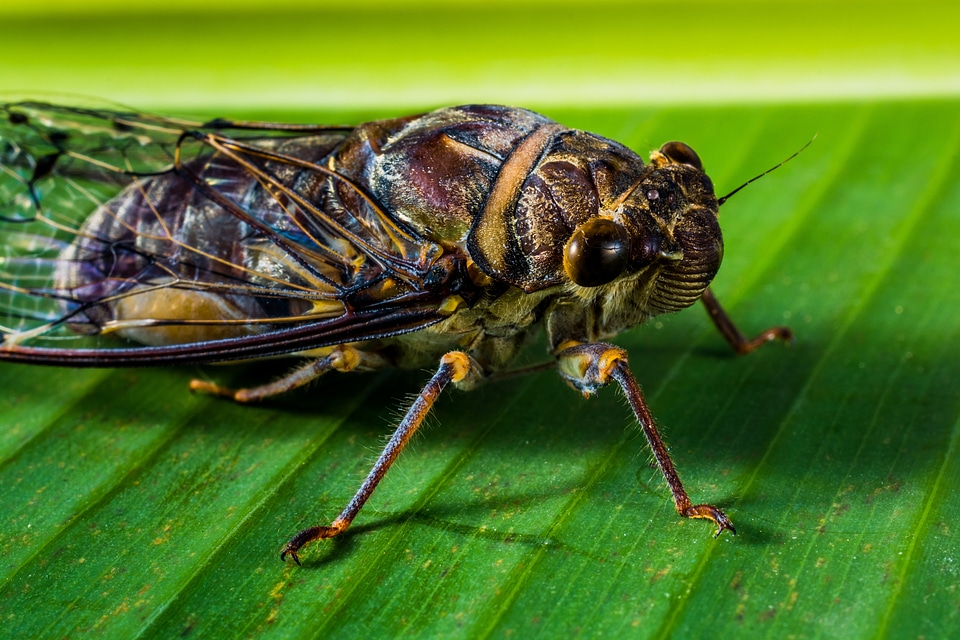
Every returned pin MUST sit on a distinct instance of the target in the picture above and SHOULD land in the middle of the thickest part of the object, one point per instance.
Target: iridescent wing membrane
(129, 239)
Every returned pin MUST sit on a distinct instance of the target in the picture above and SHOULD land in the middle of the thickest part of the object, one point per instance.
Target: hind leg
(343, 358)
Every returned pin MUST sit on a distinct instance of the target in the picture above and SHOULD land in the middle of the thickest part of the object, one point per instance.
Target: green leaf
(132, 508)
(381, 55)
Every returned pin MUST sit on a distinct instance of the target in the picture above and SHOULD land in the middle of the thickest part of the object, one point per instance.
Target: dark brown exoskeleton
(451, 236)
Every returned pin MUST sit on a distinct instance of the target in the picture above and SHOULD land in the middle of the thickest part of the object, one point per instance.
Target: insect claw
(300, 540)
(709, 512)
(724, 526)
(784, 334)
(292, 553)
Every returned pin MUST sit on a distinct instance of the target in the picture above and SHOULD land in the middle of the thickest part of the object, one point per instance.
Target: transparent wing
(128, 238)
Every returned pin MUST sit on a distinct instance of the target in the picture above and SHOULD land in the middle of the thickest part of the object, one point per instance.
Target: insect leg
(456, 367)
(343, 358)
(589, 366)
(740, 343)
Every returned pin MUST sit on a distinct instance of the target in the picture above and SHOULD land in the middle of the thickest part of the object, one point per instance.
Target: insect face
(657, 246)
(682, 207)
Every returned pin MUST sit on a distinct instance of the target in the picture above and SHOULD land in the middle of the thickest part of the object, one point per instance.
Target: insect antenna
(720, 201)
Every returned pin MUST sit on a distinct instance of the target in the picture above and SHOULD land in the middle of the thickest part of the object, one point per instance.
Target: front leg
(589, 366)
(734, 337)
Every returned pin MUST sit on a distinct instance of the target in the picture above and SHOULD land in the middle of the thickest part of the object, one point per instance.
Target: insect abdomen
(163, 250)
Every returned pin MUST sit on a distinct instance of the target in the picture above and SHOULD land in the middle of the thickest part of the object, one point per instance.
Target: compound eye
(596, 253)
(682, 153)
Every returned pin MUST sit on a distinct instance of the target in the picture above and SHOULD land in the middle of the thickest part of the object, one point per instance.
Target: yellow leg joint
(459, 362)
(345, 359)
(608, 360)
(567, 344)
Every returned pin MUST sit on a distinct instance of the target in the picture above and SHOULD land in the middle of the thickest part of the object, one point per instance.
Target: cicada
(446, 239)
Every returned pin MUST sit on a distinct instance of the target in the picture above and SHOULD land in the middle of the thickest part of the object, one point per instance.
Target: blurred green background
(295, 55)
(133, 509)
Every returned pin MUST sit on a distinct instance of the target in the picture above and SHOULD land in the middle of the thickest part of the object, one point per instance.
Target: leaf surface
(132, 508)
